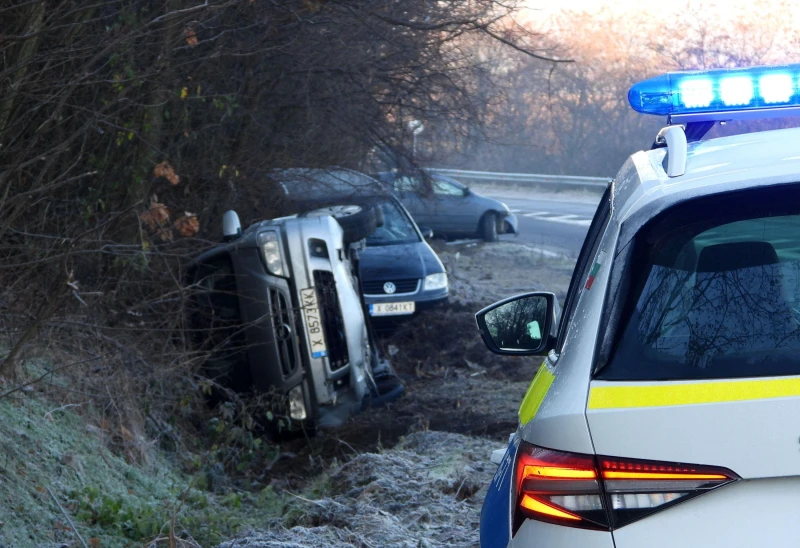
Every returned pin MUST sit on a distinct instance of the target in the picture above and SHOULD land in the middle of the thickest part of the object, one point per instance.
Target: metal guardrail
(589, 183)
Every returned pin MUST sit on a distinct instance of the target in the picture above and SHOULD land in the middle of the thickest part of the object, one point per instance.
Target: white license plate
(316, 339)
(392, 309)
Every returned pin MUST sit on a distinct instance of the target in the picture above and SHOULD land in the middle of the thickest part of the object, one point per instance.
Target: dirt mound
(447, 339)
(376, 499)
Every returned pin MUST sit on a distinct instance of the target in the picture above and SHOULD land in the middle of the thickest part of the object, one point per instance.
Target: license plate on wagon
(313, 321)
(392, 309)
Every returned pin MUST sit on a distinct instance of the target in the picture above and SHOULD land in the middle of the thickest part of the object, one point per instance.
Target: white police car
(667, 412)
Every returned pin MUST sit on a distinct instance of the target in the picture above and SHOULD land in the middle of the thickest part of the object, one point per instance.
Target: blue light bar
(721, 94)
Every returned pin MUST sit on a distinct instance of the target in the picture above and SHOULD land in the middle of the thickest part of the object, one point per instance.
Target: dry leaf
(165, 235)
(187, 225)
(155, 217)
(127, 435)
(191, 36)
(313, 5)
(164, 169)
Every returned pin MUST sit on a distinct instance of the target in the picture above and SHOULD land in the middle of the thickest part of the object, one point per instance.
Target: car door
(455, 212)
(407, 191)
(703, 376)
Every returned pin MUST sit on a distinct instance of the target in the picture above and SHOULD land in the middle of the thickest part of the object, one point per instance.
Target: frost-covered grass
(427, 491)
(112, 502)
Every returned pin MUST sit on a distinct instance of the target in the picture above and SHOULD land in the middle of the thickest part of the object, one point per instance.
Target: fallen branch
(49, 414)
(64, 512)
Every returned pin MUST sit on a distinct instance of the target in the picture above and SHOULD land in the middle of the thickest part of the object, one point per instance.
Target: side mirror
(231, 227)
(520, 326)
(427, 233)
(467, 191)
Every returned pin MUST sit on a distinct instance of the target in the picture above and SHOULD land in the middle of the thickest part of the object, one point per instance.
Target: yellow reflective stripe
(667, 394)
(535, 395)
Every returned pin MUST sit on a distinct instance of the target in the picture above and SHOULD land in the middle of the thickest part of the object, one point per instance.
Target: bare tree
(127, 127)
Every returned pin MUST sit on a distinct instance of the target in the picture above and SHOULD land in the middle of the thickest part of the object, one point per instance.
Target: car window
(445, 188)
(714, 300)
(404, 184)
(584, 263)
(397, 228)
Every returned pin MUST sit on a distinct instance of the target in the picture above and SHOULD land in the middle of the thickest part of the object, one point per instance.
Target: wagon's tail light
(603, 492)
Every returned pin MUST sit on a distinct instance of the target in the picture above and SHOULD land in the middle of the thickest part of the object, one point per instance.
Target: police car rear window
(714, 298)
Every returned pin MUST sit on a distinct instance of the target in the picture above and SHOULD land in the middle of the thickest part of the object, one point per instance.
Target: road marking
(559, 218)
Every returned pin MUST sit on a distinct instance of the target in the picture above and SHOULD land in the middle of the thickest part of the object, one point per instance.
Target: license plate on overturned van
(392, 309)
(316, 339)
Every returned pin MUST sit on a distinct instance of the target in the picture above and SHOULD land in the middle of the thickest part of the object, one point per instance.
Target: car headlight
(435, 281)
(271, 251)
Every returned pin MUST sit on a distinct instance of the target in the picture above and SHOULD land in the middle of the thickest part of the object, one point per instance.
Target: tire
(359, 225)
(489, 227)
(357, 221)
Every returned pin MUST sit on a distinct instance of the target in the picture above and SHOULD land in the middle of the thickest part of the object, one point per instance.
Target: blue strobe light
(720, 94)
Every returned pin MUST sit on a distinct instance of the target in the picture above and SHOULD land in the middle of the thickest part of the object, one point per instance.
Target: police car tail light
(558, 487)
(637, 488)
(603, 492)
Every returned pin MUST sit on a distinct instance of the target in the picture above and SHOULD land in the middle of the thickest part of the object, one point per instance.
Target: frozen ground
(426, 491)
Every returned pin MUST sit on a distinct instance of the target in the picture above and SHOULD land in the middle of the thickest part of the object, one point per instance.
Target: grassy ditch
(56, 467)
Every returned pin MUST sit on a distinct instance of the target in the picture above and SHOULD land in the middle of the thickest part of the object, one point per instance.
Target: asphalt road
(552, 223)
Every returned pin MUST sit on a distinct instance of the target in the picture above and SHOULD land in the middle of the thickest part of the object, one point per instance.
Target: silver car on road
(449, 208)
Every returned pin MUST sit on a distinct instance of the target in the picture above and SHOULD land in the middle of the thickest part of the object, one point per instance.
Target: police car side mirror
(520, 326)
(427, 233)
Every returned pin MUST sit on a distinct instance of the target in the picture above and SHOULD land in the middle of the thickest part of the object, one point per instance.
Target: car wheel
(357, 221)
(489, 227)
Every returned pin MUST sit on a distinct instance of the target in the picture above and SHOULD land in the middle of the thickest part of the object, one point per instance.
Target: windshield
(397, 228)
(718, 300)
